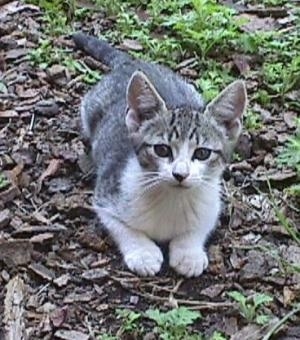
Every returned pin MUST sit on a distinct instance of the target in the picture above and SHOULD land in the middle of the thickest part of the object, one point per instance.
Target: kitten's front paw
(188, 261)
(144, 261)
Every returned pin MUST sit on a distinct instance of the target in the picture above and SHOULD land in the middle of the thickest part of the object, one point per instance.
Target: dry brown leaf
(50, 171)
(9, 114)
(14, 174)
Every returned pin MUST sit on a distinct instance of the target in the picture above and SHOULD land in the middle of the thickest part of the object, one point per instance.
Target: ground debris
(5, 217)
(15, 252)
(14, 310)
(73, 276)
(70, 335)
(42, 271)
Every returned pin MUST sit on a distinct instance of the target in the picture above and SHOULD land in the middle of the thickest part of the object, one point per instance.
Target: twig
(276, 327)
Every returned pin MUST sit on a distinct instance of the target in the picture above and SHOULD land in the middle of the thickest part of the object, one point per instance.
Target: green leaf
(262, 319)
(237, 296)
(178, 317)
(262, 299)
(3, 88)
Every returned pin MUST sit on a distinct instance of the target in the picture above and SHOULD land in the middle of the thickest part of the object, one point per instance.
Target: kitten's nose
(179, 177)
(180, 171)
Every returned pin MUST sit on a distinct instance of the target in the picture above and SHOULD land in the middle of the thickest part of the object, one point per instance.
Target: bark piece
(14, 309)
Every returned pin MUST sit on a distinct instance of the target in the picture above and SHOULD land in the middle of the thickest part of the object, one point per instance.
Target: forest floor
(61, 277)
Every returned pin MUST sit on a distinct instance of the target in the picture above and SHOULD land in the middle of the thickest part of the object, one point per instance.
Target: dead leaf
(255, 23)
(42, 238)
(95, 274)
(70, 335)
(290, 119)
(50, 171)
(15, 7)
(131, 45)
(9, 114)
(15, 252)
(213, 290)
(42, 271)
(62, 281)
(16, 53)
(5, 217)
(241, 62)
(59, 316)
(15, 173)
(288, 296)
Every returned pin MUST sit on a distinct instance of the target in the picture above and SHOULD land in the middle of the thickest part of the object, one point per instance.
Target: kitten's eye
(202, 154)
(162, 150)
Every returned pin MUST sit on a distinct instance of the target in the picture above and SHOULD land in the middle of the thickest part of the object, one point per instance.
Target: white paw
(145, 261)
(189, 262)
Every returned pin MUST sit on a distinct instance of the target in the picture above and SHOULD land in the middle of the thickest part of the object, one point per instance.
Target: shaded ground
(73, 277)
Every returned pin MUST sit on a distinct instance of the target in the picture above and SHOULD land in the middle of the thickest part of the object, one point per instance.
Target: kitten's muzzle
(179, 177)
(181, 171)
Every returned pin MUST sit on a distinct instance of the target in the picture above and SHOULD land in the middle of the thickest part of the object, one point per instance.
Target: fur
(159, 153)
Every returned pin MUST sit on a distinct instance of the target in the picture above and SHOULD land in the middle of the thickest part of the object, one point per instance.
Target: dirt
(72, 275)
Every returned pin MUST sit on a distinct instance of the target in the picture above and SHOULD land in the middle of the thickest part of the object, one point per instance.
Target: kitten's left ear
(228, 108)
(143, 101)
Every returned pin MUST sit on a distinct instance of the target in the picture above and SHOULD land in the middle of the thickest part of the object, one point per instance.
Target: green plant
(290, 156)
(291, 153)
(252, 120)
(89, 76)
(172, 325)
(3, 181)
(282, 82)
(250, 307)
(213, 79)
(107, 337)
(218, 336)
(46, 54)
(129, 321)
(57, 15)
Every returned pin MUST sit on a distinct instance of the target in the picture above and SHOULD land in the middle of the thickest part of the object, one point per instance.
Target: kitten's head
(183, 147)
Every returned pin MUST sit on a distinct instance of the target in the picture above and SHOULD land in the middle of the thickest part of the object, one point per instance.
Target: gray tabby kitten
(159, 153)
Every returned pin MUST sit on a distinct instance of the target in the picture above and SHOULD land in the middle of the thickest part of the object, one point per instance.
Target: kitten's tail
(100, 49)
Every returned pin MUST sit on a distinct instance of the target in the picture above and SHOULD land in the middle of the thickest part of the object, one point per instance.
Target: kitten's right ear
(143, 101)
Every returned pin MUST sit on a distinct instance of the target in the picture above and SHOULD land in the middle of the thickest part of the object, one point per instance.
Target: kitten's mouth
(180, 185)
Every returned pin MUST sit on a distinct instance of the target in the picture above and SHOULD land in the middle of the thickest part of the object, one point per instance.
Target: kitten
(159, 153)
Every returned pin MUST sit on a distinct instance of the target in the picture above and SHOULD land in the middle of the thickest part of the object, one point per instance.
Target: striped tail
(100, 49)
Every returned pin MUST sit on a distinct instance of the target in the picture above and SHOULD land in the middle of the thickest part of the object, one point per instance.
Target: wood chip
(95, 274)
(41, 238)
(5, 217)
(9, 114)
(62, 280)
(71, 335)
(42, 271)
(14, 310)
(131, 45)
(10, 194)
(15, 252)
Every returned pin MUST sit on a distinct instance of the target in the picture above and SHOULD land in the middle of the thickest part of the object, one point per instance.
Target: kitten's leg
(187, 254)
(140, 254)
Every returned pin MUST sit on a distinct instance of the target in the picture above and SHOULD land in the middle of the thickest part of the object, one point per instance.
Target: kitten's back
(109, 95)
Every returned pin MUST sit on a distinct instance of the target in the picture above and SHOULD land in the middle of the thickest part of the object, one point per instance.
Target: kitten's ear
(143, 101)
(228, 108)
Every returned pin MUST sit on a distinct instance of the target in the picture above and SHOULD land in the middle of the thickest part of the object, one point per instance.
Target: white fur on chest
(168, 211)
